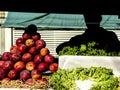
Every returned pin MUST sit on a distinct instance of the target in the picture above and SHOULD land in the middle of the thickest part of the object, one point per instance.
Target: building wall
(2, 40)
(2, 32)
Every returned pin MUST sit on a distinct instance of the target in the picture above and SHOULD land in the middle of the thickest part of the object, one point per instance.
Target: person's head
(92, 20)
(31, 28)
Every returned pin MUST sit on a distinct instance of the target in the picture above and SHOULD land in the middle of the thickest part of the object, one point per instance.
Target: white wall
(2, 40)
(8, 39)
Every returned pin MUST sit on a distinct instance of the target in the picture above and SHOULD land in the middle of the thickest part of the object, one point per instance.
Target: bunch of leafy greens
(86, 50)
(64, 79)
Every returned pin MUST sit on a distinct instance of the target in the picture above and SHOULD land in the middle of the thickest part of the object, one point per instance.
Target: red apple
(42, 80)
(2, 73)
(1, 63)
(38, 58)
(33, 50)
(21, 48)
(49, 58)
(20, 65)
(13, 49)
(26, 57)
(29, 81)
(30, 66)
(25, 36)
(25, 74)
(8, 65)
(53, 67)
(40, 43)
(12, 74)
(44, 51)
(6, 80)
(16, 57)
(6, 56)
(20, 40)
(36, 36)
(43, 66)
(29, 42)
(35, 74)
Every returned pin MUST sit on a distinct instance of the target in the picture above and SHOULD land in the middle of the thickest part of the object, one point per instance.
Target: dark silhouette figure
(106, 40)
(31, 29)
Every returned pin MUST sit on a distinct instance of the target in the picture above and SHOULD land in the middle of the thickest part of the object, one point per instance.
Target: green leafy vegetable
(86, 50)
(64, 79)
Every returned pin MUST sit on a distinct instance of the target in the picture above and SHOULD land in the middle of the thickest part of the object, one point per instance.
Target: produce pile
(87, 50)
(27, 61)
(64, 79)
(103, 78)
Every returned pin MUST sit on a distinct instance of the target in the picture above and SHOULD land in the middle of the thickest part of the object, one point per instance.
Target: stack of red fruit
(27, 59)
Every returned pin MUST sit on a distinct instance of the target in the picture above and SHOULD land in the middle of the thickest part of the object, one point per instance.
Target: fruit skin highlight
(2, 73)
(16, 57)
(26, 57)
(36, 74)
(29, 42)
(43, 66)
(1, 63)
(40, 43)
(24, 74)
(38, 59)
(49, 58)
(12, 74)
(25, 36)
(53, 67)
(30, 66)
(19, 66)
(44, 51)
(8, 65)
(13, 49)
(20, 40)
(6, 56)
(33, 50)
(21, 48)
(36, 36)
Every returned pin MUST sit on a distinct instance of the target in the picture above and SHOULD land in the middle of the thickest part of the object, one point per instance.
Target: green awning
(55, 20)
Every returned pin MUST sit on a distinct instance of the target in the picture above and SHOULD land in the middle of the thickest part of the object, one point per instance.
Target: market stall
(30, 64)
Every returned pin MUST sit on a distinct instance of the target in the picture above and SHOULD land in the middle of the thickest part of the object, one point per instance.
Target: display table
(69, 62)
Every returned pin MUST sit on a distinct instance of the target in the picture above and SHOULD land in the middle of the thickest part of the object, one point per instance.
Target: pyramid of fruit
(28, 58)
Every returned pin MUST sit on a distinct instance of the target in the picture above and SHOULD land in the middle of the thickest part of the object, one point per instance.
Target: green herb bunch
(103, 77)
(86, 50)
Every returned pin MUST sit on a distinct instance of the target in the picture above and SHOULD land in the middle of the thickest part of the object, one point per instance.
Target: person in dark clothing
(31, 29)
(106, 40)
